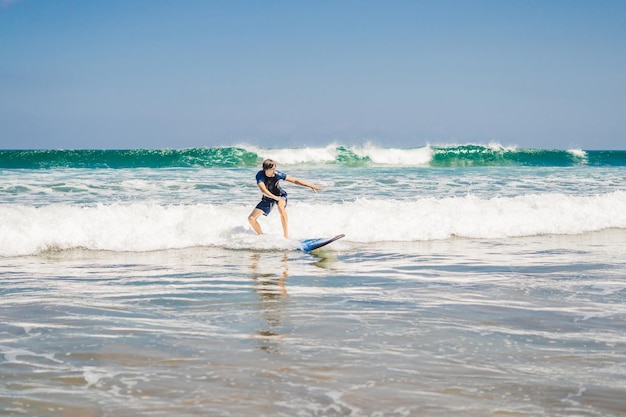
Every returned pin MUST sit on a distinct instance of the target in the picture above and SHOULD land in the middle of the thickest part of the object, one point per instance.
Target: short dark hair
(268, 164)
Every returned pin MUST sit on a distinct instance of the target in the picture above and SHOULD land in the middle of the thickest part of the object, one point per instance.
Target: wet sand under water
(517, 327)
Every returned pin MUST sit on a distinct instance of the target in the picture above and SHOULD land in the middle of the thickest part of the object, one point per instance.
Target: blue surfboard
(308, 245)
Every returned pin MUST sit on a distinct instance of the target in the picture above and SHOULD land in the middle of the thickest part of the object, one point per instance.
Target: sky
(114, 74)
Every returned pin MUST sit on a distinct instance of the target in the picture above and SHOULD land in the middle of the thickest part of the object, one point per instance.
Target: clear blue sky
(172, 74)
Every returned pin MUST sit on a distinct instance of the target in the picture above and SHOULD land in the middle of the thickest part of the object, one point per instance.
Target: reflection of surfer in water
(267, 180)
(270, 284)
(272, 292)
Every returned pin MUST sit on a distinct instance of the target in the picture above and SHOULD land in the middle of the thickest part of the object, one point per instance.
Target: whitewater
(480, 280)
(28, 230)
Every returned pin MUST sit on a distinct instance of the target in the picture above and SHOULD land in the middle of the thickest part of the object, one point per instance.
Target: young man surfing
(267, 180)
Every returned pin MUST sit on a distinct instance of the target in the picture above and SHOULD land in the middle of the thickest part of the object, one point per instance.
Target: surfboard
(308, 245)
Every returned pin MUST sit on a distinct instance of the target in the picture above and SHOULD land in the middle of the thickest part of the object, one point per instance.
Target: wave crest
(469, 155)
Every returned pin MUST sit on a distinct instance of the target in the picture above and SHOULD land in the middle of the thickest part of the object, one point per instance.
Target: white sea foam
(294, 156)
(578, 153)
(27, 230)
(395, 156)
(378, 155)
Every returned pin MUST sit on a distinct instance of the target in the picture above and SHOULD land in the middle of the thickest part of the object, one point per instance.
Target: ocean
(480, 280)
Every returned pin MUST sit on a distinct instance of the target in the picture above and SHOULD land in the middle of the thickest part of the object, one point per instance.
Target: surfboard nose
(316, 243)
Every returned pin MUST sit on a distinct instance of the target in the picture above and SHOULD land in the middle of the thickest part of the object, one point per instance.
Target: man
(267, 180)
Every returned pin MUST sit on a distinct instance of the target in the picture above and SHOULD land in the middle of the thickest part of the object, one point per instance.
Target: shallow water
(461, 287)
(519, 327)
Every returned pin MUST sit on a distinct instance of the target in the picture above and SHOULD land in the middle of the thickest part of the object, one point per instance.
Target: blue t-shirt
(272, 182)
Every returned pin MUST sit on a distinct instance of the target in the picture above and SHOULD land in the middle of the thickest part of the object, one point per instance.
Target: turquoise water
(491, 288)
(248, 156)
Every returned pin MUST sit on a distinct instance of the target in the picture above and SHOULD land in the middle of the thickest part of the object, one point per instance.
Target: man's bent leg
(252, 219)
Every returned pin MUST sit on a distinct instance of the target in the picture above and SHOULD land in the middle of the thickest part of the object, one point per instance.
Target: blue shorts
(267, 204)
